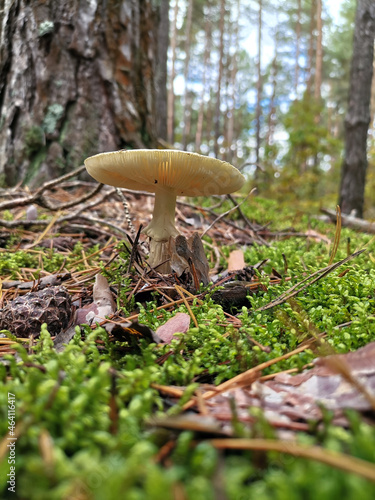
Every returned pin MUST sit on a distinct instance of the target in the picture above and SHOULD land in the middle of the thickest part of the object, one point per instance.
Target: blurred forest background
(263, 84)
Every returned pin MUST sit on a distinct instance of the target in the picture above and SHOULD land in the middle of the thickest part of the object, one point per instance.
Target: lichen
(45, 28)
(53, 115)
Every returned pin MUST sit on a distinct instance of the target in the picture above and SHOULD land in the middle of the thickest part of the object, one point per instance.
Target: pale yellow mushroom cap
(189, 174)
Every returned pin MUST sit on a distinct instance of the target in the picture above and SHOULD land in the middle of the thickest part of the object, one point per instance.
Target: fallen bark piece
(187, 255)
(291, 402)
(180, 323)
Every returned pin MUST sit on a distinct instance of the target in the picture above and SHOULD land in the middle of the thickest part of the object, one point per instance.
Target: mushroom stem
(162, 227)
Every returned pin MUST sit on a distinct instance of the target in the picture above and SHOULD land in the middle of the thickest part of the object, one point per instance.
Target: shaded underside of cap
(190, 174)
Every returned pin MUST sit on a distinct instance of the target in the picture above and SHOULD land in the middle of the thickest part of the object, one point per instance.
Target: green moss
(71, 399)
(34, 140)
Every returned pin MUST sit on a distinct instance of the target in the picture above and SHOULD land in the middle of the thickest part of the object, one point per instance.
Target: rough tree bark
(353, 175)
(161, 70)
(76, 79)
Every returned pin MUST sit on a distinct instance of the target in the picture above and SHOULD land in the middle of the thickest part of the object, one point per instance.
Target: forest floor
(144, 386)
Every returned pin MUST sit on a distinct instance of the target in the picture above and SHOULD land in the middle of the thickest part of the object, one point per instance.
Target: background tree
(161, 70)
(358, 115)
(76, 78)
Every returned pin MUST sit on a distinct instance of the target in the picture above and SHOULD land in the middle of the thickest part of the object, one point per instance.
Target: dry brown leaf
(180, 323)
(103, 304)
(236, 260)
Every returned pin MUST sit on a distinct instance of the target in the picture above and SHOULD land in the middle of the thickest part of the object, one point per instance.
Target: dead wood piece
(51, 280)
(188, 254)
(351, 221)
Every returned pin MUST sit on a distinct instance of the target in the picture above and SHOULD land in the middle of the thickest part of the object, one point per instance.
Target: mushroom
(168, 174)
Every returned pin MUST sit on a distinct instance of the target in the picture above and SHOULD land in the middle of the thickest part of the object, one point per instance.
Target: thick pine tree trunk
(75, 79)
(357, 120)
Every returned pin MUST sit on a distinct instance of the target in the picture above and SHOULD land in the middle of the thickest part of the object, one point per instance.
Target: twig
(225, 213)
(37, 196)
(351, 222)
(332, 458)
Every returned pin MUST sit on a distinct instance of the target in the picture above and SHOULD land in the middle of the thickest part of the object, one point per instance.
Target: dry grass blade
(181, 291)
(328, 457)
(337, 236)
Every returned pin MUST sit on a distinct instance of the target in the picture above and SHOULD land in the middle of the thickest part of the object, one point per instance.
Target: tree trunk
(219, 78)
(171, 96)
(319, 51)
(298, 47)
(357, 120)
(161, 70)
(310, 56)
(271, 121)
(233, 85)
(258, 109)
(206, 70)
(76, 79)
(187, 98)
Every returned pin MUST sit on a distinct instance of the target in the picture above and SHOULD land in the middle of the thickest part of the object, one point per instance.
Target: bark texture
(357, 120)
(76, 79)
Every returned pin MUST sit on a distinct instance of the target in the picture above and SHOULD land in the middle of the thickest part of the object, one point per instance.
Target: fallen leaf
(103, 304)
(180, 323)
(236, 260)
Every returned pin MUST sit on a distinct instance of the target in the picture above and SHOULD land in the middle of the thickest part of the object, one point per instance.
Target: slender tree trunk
(272, 109)
(233, 76)
(311, 48)
(357, 120)
(187, 98)
(206, 66)
(372, 105)
(161, 70)
(171, 96)
(298, 47)
(219, 78)
(258, 110)
(76, 78)
(319, 51)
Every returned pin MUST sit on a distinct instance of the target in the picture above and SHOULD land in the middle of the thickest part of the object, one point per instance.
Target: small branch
(351, 222)
(37, 196)
(332, 458)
